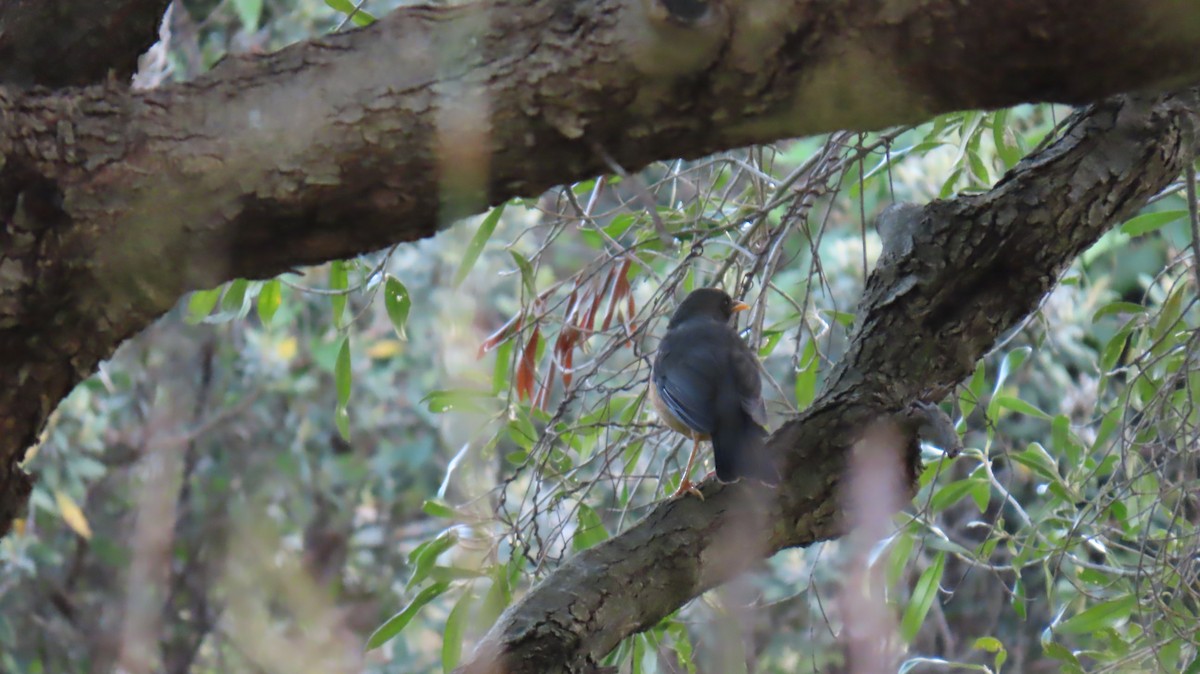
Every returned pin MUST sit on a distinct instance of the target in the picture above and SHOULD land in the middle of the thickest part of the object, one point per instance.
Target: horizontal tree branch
(953, 276)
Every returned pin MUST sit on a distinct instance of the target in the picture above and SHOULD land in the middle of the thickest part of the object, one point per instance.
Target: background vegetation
(384, 451)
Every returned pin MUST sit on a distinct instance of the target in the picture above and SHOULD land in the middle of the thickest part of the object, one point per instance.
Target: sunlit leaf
(425, 556)
(72, 514)
(249, 12)
(397, 302)
(951, 494)
(591, 530)
(270, 297)
(341, 373)
(452, 636)
(1113, 308)
(1149, 222)
(384, 349)
(1035, 457)
(437, 508)
(339, 280)
(498, 597)
(360, 17)
(899, 556)
(806, 376)
(922, 598)
(465, 400)
(527, 275)
(201, 303)
(1020, 406)
(341, 419)
(394, 625)
(1105, 614)
(475, 247)
(235, 296)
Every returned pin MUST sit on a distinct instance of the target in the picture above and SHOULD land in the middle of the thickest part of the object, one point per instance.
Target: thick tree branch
(58, 43)
(953, 276)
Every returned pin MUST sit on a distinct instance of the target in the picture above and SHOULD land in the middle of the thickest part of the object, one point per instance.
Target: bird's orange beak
(740, 306)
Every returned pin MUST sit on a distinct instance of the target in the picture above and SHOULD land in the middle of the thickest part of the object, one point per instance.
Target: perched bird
(705, 385)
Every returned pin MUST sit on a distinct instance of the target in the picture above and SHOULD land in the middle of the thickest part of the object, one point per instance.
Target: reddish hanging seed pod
(588, 321)
(568, 368)
(620, 290)
(569, 328)
(527, 367)
(505, 331)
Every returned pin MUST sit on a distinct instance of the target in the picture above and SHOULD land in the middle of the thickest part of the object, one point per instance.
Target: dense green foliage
(385, 451)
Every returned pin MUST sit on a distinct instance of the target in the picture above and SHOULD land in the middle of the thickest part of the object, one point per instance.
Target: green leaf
(501, 368)
(806, 376)
(1115, 347)
(235, 296)
(842, 317)
(951, 493)
(770, 341)
(1012, 361)
(591, 530)
(475, 247)
(393, 626)
(249, 12)
(1036, 458)
(339, 279)
(438, 508)
(1018, 599)
(341, 373)
(397, 301)
(201, 304)
(989, 644)
(1149, 222)
(981, 493)
(1170, 312)
(527, 275)
(1113, 308)
(1008, 151)
(425, 556)
(970, 397)
(458, 399)
(341, 419)
(922, 599)
(898, 558)
(269, 300)
(1021, 407)
(498, 597)
(522, 431)
(1106, 614)
(360, 18)
(452, 636)
(1058, 652)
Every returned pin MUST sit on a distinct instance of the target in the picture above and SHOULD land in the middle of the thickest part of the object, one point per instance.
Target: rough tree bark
(114, 203)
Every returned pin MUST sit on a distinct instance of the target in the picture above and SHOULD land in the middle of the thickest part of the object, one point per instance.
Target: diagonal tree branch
(953, 276)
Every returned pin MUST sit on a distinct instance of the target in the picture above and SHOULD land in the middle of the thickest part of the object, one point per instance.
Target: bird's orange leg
(685, 485)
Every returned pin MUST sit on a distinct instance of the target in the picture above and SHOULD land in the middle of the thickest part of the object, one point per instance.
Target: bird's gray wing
(685, 382)
(748, 382)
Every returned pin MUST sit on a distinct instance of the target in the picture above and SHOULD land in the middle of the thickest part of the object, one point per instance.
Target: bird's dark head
(707, 303)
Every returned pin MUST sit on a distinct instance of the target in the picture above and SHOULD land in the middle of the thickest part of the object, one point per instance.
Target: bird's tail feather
(740, 451)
